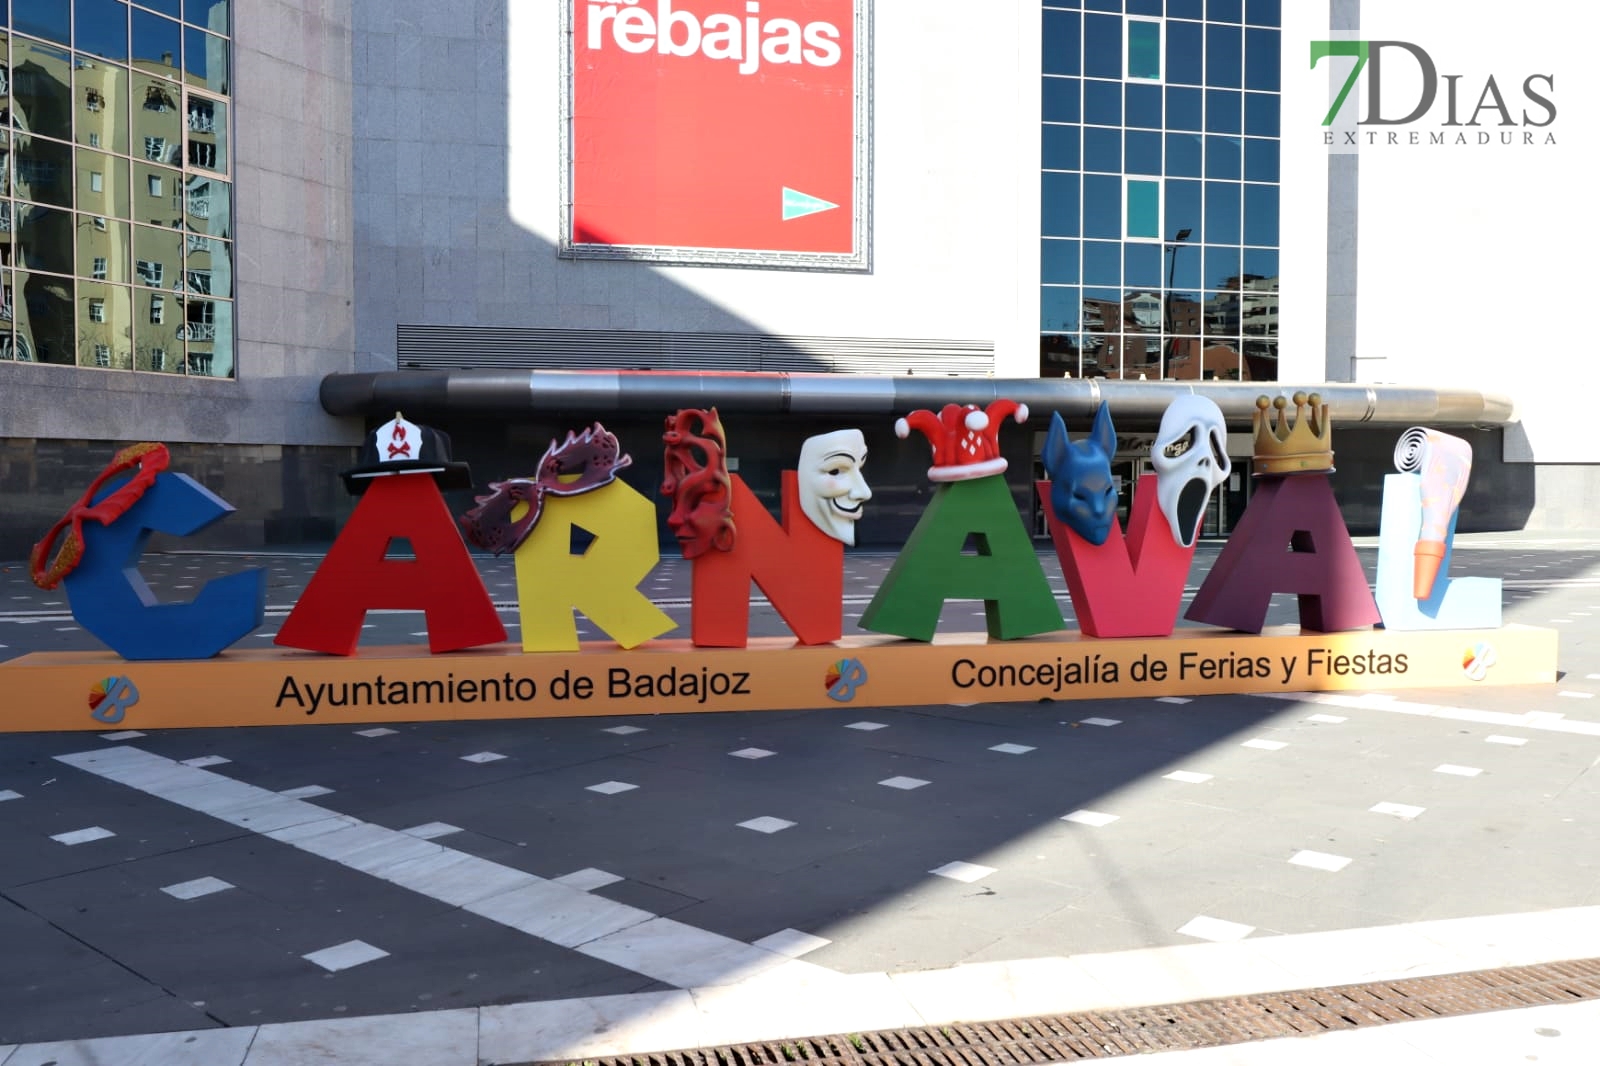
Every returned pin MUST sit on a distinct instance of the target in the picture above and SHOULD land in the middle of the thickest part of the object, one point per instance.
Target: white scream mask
(1190, 455)
(832, 490)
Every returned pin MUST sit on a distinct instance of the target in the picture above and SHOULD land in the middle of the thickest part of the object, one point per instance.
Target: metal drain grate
(1141, 1030)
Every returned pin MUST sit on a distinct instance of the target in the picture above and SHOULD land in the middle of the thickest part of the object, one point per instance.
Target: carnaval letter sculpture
(99, 564)
(1420, 506)
(1293, 507)
(1190, 455)
(581, 463)
(697, 482)
(969, 502)
(1120, 587)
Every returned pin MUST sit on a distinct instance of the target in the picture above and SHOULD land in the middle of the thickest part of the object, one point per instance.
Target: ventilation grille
(492, 348)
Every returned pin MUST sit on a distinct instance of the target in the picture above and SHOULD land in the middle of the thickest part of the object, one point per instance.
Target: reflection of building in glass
(1160, 191)
(115, 238)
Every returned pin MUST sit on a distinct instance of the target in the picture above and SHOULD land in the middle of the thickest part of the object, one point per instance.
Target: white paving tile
(867, 726)
(1319, 860)
(202, 886)
(1264, 745)
(751, 753)
(1107, 722)
(791, 942)
(203, 1047)
(1327, 719)
(767, 824)
(126, 734)
(1458, 771)
(575, 1030)
(204, 761)
(7, 794)
(306, 792)
(785, 1005)
(1513, 742)
(344, 956)
(624, 730)
(1397, 810)
(982, 991)
(588, 879)
(1174, 699)
(456, 878)
(83, 836)
(1012, 749)
(1217, 930)
(682, 955)
(1087, 817)
(611, 788)
(431, 830)
(483, 756)
(906, 783)
(963, 871)
(434, 1038)
(1188, 777)
(560, 913)
(380, 731)
(1573, 694)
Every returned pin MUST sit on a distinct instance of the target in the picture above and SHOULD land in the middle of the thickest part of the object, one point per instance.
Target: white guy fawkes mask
(832, 490)
(1190, 455)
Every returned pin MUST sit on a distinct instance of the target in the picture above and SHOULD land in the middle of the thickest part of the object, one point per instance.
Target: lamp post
(1166, 292)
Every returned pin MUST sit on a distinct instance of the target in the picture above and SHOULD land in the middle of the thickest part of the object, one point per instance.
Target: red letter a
(798, 566)
(1129, 587)
(356, 577)
(1292, 538)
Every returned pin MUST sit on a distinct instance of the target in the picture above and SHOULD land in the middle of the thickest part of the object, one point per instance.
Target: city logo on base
(843, 678)
(110, 699)
(1476, 660)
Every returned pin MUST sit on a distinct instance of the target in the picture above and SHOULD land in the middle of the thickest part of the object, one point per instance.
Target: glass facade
(1159, 247)
(116, 240)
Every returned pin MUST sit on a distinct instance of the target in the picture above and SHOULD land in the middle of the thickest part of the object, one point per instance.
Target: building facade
(210, 209)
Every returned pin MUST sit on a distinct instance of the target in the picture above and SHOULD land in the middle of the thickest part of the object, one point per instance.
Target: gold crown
(1300, 446)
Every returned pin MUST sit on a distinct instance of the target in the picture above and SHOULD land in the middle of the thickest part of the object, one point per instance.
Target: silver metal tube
(598, 392)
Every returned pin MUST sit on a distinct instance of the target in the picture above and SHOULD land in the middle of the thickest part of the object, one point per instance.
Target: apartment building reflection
(117, 250)
(1230, 335)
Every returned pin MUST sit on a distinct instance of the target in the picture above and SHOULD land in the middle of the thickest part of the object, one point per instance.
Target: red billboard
(717, 131)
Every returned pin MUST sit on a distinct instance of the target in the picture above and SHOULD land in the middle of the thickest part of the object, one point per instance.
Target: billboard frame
(857, 261)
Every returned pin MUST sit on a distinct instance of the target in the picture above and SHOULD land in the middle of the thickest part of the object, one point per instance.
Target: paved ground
(686, 851)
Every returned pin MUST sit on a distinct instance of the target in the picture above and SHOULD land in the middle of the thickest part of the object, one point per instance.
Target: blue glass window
(1145, 7)
(1059, 204)
(1103, 5)
(1142, 152)
(1222, 157)
(1185, 52)
(1261, 59)
(1223, 107)
(1183, 264)
(1264, 13)
(50, 19)
(1263, 263)
(1102, 263)
(1062, 100)
(1144, 208)
(157, 43)
(1183, 211)
(1185, 9)
(1102, 46)
(1222, 214)
(1061, 148)
(1261, 214)
(1185, 108)
(1144, 106)
(1261, 116)
(1058, 262)
(1183, 155)
(1063, 48)
(1102, 102)
(1102, 150)
(102, 28)
(1060, 310)
(1260, 159)
(1224, 10)
(1102, 208)
(1144, 49)
(205, 60)
(1224, 56)
(1141, 266)
(1222, 267)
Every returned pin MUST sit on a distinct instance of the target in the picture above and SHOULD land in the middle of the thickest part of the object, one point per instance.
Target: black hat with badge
(399, 447)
